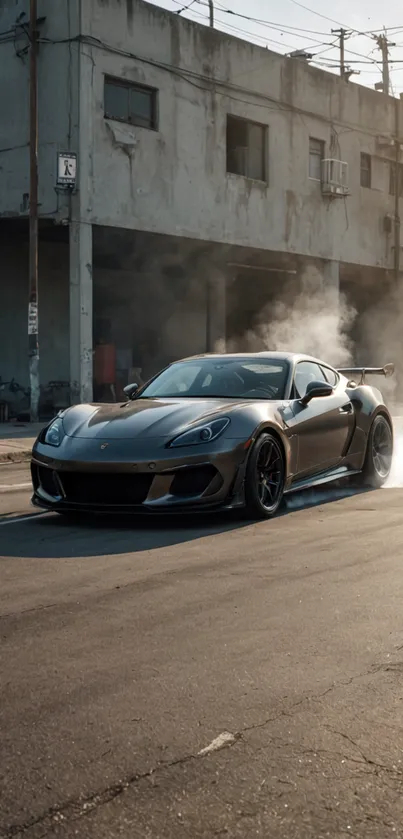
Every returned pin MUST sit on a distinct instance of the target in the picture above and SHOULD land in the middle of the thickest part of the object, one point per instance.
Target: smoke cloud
(315, 322)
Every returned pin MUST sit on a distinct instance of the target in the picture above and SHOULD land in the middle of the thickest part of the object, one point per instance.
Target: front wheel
(265, 478)
(378, 459)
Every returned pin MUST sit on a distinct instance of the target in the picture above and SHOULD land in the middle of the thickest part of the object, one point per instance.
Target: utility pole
(211, 10)
(208, 283)
(342, 33)
(383, 45)
(33, 334)
(397, 192)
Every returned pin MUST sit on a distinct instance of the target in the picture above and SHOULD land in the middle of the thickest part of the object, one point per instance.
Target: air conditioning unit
(335, 178)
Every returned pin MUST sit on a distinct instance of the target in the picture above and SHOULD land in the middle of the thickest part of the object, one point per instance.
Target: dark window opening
(316, 155)
(246, 148)
(131, 103)
(365, 171)
(392, 179)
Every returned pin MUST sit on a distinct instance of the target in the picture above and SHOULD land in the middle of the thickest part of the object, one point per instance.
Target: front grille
(193, 481)
(108, 489)
(48, 481)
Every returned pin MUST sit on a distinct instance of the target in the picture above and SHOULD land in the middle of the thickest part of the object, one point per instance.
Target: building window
(365, 172)
(131, 103)
(392, 179)
(316, 155)
(246, 148)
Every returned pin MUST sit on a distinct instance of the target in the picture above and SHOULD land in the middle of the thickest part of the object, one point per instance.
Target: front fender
(289, 444)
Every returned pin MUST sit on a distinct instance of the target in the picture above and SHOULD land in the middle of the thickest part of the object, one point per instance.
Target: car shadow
(51, 536)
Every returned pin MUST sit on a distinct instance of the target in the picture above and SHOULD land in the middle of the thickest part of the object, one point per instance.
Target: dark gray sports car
(216, 431)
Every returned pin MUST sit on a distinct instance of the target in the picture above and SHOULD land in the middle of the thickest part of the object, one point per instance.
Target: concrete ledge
(16, 441)
(15, 456)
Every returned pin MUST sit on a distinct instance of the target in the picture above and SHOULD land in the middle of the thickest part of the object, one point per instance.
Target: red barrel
(105, 364)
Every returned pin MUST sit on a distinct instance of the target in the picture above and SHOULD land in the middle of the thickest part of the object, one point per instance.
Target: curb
(15, 457)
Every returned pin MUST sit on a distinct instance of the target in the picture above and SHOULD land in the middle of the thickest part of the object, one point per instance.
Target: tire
(263, 497)
(378, 457)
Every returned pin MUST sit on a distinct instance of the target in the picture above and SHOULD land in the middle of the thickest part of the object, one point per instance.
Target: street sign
(66, 169)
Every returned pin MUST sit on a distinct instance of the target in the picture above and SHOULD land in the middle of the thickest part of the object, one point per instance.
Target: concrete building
(212, 176)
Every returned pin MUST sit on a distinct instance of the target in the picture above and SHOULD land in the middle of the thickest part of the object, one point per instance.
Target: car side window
(331, 376)
(306, 372)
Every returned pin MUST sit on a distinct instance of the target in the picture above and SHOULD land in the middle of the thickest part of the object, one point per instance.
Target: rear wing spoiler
(362, 372)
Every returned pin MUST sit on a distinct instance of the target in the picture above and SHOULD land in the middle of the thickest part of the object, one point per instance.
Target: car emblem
(104, 446)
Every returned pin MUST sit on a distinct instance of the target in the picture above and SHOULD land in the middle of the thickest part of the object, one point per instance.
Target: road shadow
(51, 536)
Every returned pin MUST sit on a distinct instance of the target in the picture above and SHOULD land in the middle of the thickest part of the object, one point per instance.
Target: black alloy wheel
(378, 460)
(265, 478)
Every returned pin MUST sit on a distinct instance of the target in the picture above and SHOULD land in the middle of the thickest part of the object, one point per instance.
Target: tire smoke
(316, 321)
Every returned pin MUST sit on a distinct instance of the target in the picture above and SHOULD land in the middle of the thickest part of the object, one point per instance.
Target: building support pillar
(81, 349)
(331, 280)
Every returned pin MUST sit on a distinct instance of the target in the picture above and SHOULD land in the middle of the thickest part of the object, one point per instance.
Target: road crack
(77, 808)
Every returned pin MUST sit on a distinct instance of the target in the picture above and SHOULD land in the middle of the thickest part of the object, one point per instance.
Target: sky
(306, 24)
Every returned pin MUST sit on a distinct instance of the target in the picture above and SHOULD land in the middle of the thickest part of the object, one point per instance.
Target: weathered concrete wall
(174, 180)
(57, 109)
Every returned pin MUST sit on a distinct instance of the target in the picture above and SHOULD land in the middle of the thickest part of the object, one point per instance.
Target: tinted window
(306, 372)
(226, 377)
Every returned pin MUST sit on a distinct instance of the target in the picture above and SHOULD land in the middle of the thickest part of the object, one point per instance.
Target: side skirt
(340, 473)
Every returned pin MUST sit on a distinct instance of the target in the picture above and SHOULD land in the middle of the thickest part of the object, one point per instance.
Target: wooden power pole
(342, 37)
(383, 45)
(33, 331)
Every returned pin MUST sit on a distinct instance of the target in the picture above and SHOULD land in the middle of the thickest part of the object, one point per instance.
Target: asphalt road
(127, 650)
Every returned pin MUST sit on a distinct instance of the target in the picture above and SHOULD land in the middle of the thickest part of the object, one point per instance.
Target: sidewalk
(16, 440)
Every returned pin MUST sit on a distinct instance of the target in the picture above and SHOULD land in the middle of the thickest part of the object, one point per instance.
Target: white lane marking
(220, 742)
(14, 487)
(17, 519)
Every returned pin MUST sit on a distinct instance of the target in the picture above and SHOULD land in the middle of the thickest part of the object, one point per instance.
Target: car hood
(143, 417)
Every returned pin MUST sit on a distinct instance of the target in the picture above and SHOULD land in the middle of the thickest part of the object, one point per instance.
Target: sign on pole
(66, 169)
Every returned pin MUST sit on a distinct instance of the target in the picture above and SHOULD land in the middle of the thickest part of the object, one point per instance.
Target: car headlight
(54, 433)
(201, 434)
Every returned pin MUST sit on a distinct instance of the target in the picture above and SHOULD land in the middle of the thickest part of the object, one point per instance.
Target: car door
(324, 425)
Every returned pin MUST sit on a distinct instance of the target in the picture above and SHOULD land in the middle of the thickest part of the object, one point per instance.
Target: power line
(288, 30)
(185, 8)
(264, 22)
(328, 47)
(324, 17)
(262, 38)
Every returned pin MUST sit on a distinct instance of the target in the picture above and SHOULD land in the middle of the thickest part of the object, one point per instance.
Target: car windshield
(222, 378)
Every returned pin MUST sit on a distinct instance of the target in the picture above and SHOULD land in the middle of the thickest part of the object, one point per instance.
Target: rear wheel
(378, 459)
(265, 478)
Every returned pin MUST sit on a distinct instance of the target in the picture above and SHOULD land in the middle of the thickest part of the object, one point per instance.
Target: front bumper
(126, 476)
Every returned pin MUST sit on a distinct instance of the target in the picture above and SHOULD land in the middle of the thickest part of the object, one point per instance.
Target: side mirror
(316, 390)
(130, 390)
